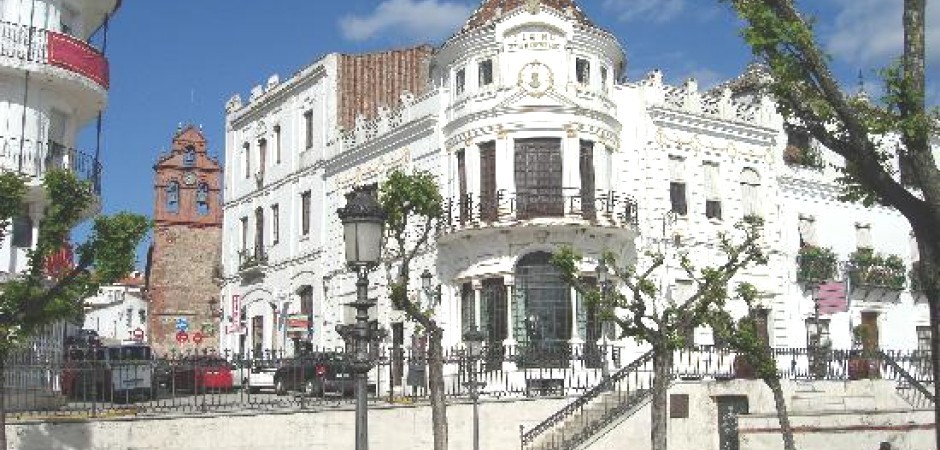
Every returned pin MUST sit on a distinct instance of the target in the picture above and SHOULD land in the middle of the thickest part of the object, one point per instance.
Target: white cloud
(869, 31)
(657, 11)
(422, 19)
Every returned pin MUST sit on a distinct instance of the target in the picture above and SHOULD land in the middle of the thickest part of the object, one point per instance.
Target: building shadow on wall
(51, 436)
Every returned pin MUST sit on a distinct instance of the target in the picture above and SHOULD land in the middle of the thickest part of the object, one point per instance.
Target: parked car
(201, 373)
(315, 374)
(117, 373)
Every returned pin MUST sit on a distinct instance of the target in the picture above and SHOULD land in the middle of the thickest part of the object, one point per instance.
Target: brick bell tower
(187, 244)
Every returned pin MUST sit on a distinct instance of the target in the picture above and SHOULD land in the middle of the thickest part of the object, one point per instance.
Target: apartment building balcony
(542, 207)
(33, 159)
(251, 263)
(31, 45)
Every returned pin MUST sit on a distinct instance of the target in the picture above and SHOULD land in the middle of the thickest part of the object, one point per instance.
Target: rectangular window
(818, 337)
(308, 129)
(306, 301)
(462, 185)
(588, 208)
(677, 194)
(488, 199)
(486, 72)
(807, 229)
(583, 68)
(259, 232)
(129, 316)
(246, 159)
(604, 78)
(750, 192)
(863, 236)
(277, 144)
(467, 308)
(712, 191)
(923, 339)
(538, 177)
(305, 213)
(460, 81)
(244, 222)
(22, 231)
(262, 155)
(275, 224)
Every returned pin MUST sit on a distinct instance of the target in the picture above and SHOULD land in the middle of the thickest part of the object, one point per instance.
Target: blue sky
(178, 61)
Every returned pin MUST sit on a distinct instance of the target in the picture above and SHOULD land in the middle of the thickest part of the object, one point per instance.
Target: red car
(202, 373)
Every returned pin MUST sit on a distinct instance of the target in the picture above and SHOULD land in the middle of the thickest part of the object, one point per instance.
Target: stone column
(508, 282)
(571, 167)
(505, 169)
(575, 336)
(472, 161)
(477, 300)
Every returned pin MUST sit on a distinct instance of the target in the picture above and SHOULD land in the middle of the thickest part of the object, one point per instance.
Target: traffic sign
(197, 338)
(182, 337)
(138, 335)
(182, 324)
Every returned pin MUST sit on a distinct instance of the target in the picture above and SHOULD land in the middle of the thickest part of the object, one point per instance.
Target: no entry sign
(182, 337)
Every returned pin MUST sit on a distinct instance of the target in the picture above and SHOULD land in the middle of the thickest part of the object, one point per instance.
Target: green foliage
(12, 191)
(873, 269)
(35, 299)
(650, 318)
(407, 196)
(744, 335)
(816, 264)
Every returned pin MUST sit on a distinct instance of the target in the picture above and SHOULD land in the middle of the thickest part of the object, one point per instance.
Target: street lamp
(432, 292)
(603, 282)
(363, 228)
(474, 340)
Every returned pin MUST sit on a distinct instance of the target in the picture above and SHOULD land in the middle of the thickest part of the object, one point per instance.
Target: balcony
(251, 263)
(601, 208)
(815, 265)
(873, 270)
(34, 159)
(44, 47)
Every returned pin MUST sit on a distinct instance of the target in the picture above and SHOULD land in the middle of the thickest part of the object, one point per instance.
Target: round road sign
(197, 338)
(138, 335)
(182, 337)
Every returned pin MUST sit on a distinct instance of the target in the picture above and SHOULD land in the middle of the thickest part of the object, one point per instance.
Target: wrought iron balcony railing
(36, 45)
(250, 261)
(34, 159)
(503, 207)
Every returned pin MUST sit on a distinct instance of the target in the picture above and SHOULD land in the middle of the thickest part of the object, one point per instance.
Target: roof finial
(533, 6)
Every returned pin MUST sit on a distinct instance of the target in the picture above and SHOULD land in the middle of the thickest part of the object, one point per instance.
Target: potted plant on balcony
(816, 264)
(861, 364)
(874, 270)
(802, 156)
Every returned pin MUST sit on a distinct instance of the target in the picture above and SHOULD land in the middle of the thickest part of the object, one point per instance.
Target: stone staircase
(617, 397)
(913, 377)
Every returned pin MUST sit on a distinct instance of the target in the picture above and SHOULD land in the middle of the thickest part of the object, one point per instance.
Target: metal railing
(37, 45)
(504, 207)
(34, 159)
(913, 374)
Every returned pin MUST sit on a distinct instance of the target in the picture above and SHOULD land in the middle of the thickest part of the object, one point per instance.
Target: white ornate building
(537, 141)
(53, 83)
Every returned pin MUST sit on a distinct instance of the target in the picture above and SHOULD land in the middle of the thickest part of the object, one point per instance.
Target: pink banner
(831, 298)
(72, 54)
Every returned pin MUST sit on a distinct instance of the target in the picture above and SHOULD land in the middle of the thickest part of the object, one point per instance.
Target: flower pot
(863, 369)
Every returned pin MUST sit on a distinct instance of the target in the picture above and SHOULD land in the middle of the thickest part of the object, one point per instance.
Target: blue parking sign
(182, 324)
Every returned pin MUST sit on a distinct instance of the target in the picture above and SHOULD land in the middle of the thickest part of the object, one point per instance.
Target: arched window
(173, 197)
(542, 310)
(750, 192)
(189, 156)
(202, 199)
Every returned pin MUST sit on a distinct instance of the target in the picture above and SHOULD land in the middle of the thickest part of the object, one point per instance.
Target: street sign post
(197, 338)
(138, 335)
(182, 337)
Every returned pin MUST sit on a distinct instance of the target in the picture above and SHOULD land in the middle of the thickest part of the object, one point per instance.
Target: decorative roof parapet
(719, 104)
(385, 121)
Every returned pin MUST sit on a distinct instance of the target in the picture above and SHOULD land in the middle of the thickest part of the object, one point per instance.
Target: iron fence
(84, 384)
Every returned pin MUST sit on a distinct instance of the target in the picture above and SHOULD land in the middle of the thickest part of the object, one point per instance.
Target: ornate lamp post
(603, 281)
(363, 228)
(474, 341)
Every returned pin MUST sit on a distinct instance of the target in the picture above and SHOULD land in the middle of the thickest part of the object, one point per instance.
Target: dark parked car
(316, 374)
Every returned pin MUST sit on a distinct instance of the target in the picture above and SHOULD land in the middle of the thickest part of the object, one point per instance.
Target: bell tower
(186, 248)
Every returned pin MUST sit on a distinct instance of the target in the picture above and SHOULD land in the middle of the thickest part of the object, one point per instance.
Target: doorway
(729, 408)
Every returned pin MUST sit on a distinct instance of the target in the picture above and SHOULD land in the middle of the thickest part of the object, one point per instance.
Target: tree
(654, 318)
(413, 203)
(36, 298)
(747, 337)
(806, 90)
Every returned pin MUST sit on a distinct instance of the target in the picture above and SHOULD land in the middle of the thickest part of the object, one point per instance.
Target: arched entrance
(543, 311)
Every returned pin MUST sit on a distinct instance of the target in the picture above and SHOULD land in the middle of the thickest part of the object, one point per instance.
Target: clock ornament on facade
(189, 178)
(536, 78)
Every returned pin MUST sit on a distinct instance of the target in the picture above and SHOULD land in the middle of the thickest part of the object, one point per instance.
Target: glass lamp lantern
(363, 222)
(426, 280)
(602, 275)
(474, 340)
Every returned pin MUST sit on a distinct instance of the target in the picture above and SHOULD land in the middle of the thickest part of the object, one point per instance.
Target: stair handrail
(907, 376)
(529, 436)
